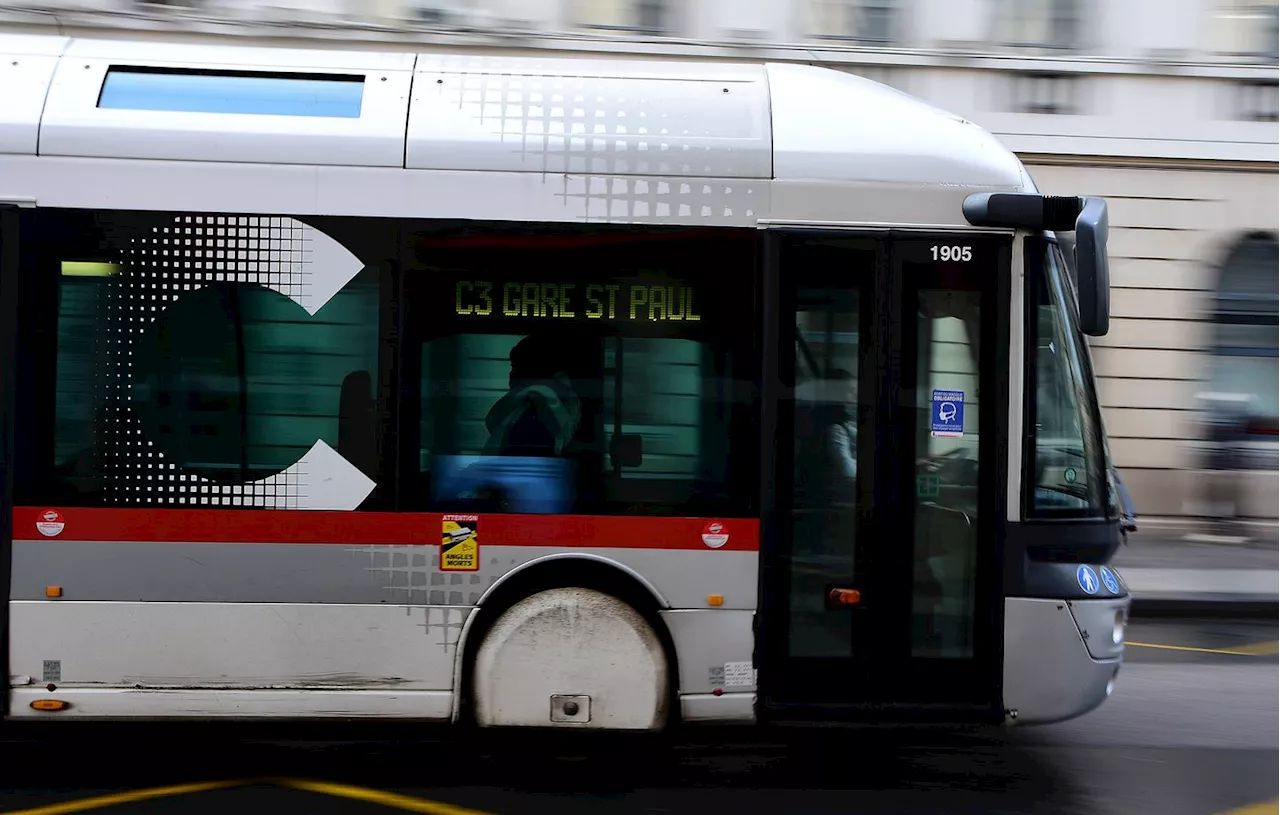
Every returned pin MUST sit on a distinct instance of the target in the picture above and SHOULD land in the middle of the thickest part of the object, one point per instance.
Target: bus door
(887, 400)
(9, 260)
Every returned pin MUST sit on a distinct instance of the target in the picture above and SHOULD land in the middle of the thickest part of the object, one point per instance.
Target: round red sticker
(715, 534)
(50, 523)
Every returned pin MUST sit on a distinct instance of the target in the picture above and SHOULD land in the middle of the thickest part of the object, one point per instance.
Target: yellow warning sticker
(460, 543)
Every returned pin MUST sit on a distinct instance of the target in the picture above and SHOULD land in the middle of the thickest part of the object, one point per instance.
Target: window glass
(949, 443)
(202, 382)
(829, 323)
(236, 383)
(1240, 405)
(1068, 476)
(567, 373)
(261, 94)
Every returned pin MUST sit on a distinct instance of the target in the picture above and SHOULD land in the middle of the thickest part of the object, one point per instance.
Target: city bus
(539, 391)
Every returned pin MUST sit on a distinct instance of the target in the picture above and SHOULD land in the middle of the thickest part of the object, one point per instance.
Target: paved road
(1169, 574)
(1192, 730)
(1167, 547)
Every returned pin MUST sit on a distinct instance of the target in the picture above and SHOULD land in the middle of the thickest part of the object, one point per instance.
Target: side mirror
(1092, 271)
(1056, 214)
(626, 450)
(1128, 514)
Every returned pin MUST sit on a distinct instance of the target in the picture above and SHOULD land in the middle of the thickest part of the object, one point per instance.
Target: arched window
(1244, 362)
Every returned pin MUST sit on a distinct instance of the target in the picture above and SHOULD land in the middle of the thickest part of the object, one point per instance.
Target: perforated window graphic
(214, 366)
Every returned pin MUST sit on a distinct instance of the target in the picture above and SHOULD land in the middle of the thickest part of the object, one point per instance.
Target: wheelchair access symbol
(1109, 580)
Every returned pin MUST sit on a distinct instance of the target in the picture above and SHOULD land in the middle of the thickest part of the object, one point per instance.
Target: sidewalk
(1174, 568)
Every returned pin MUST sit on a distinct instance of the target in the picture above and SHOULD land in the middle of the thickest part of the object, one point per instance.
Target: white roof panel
(588, 116)
(47, 45)
(24, 80)
(623, 135)
(196, 103)
(833, 126)
(586, 65)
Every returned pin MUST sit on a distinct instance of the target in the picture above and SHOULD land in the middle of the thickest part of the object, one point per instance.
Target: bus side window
(656, 389)
(199, 386)
(646, 373)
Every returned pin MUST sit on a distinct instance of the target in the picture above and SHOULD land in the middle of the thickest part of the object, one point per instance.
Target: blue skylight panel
(259, 94)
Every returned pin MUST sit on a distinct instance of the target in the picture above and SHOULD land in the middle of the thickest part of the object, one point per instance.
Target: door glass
(825, 468)
(947, 326)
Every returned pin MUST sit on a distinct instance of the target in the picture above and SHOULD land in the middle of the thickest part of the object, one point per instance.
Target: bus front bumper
(1061, 657)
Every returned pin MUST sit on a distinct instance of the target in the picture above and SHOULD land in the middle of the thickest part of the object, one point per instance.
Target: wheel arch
(562, 570)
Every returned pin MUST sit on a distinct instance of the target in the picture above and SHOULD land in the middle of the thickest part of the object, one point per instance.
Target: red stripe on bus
(378, 528)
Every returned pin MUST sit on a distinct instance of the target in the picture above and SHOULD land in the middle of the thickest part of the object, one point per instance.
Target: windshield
(1069, 470)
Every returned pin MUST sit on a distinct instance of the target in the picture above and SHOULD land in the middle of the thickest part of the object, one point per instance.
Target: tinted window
(599, 372)
(235, 361)
(187, 372)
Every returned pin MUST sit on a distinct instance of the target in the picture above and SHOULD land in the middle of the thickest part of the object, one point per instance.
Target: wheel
(571, 658)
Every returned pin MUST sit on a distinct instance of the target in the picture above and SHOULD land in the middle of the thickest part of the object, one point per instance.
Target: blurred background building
(1166, 107)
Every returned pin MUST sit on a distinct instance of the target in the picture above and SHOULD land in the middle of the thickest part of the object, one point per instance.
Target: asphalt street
(1191, 730)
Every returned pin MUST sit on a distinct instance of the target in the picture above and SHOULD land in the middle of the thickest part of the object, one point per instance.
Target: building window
(1038, 23)
(1043, 93)
(1246, 30)
(168, 4)
(1242, 373)
(1256, 101)
(870, 21)
(635, 16)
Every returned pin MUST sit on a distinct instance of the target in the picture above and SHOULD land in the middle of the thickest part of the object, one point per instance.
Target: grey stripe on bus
(332, 573)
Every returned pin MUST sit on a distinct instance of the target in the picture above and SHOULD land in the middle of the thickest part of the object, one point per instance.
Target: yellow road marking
(389, 799)
(100, 801)
(1262, 808)
(1258, 650)
(1262, 649)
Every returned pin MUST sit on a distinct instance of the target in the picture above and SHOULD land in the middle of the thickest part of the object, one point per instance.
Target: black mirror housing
(1086, 217)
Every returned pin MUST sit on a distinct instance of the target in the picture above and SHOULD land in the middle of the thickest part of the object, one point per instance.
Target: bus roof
(713, 143)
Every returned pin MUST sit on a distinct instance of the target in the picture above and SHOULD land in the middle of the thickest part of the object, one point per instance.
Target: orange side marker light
(715, 599)
(845, 597)
(52, 591)
(49, 704)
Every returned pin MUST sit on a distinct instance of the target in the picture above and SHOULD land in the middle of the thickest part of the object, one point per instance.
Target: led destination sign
(577, 301)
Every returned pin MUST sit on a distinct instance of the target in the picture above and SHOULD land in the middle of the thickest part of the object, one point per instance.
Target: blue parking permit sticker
(1088, 579)
(1109, 580)
(947, 418)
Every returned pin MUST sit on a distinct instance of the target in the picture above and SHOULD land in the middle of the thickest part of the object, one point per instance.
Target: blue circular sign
(1109, 580)
(1088, 579)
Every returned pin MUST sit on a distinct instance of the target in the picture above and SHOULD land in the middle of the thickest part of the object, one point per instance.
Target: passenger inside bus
(540, 413)
(530, 460)
(842, 429)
